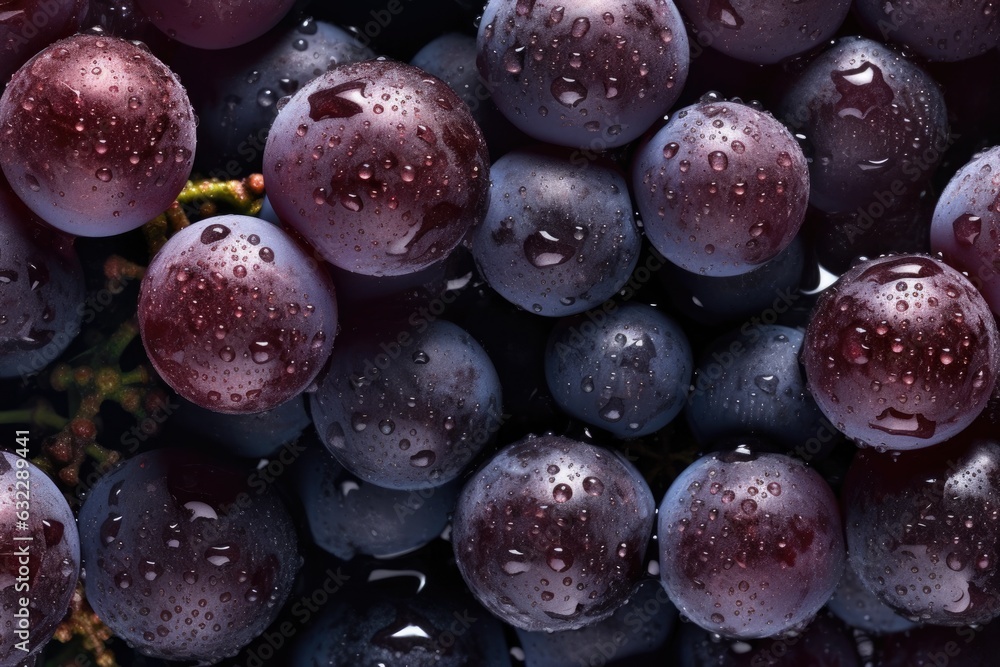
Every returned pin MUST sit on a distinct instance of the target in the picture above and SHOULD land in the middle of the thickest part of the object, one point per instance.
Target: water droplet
(266, 255)
(593, 486)
(423, 459)
(213, 233)
(104, 175)
(559, 559)
(562, 493)
(718, 161)
(767, 383)
(335, 436)
(581, 27)
(569, 92)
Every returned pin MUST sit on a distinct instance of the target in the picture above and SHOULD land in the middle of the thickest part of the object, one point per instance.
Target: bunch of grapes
(632, 332)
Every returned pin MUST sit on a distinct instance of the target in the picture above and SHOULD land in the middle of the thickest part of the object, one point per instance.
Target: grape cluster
(525, 332)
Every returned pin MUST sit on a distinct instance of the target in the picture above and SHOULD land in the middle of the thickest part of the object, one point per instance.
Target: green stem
(41, 416)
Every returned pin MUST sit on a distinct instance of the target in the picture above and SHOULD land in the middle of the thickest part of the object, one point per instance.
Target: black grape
(953, 30)
(28, 26)
(626, 370)
(594, 75)
(551, 533)
(100, 135)
(407, 406)
(210, 24)
(171, 537)
(559, 237)
(859, 608)
(256, 435)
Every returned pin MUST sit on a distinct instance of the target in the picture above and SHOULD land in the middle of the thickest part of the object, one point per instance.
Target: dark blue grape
(407, 405)
(953, 30)
(593, 75)
(749, 382)
(39, 556)
(874, 124)
(626, 370)
(751, 545)
(721, 188)
(922, 529)
(237, 99)
(559, 237)
(551, 533)
(41, 290)
(210, 24)
(257, 435)
(858, 607)
(639, 627)
(185, 559)
(348, 516)
(764, 31)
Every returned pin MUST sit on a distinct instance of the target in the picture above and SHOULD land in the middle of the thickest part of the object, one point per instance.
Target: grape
(237, 104)
(348, 516)
(953, 30)
(214, 24)
(100, 135)
(764, 31)
(171, 536)
(855, 605)
(966, 222)
(922, 529)
(28, 26)
(120, 18)
(721, 189)
(625, 370)
(901, 352)
(559, 237)
(235, 316)
(774, 519)
(875, 125)
(551, 533)
(379, 166)
(41, 290)
(640, 626)
(407, 405)
(39, 560)
(749, 382)
(594, 77)
(256, 435)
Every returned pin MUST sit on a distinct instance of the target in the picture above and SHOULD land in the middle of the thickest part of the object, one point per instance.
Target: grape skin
(945, 31)
(210, 24)
(28, 26)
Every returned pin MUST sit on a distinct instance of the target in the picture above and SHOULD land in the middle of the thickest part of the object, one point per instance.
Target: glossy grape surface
(875, 125)
(750, 545)
(722, 188)
(39, 560)
(100, 135)
(170, 537)
(551, 533)
(41, 290)
(859, 608)
(379, 165)
(626, 371)
(901, 353)
(953, 30)
(923, 529)
(28, 26)
(595, 74)
(407, 407)
(559, 237)
(966, 224)
(214, 24)
(235, 316)
(764, 31)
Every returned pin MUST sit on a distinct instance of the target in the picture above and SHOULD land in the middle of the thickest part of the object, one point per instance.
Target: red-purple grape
(100, 135)
(902, 352)
(594, 74)
(235, 316)
(551, 533)
(750, 545)
(722, 188)
(379, 165)
(215, 24)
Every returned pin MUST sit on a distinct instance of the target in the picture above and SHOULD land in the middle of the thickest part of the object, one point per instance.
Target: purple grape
(859, 608)
(407, 405)
(922, 529)
(901, 353)
(235, 317)
(41, 290)
(751, 545)
(721, 189)
(551, 533)
(967, 221)
(379, 166)
(171, 537)
(559, 237)
(874, 125)
(764, 31)
(28, 26)
(596, 76)
(39, 556)
(238, 102)
(256, 435)
(214, 24)
(625, 370)
(100, 135)
(953, 30)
